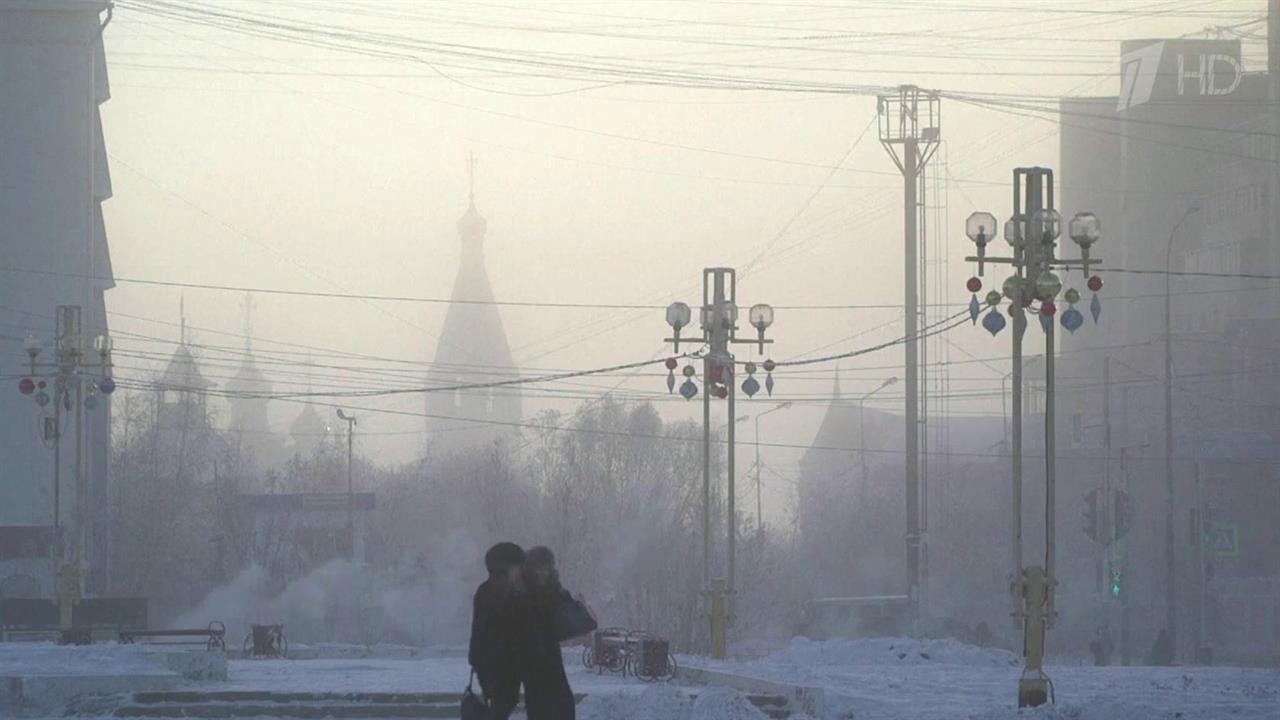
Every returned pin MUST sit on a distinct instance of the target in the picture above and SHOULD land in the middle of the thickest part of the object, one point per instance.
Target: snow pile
(1096, 710)
(806, 653)
(724, 705)
(32, 659)
(669, 703)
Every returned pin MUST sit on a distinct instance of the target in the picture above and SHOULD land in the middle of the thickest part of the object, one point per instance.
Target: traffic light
(1091, 514)
(1116, 588)
(1122, 503)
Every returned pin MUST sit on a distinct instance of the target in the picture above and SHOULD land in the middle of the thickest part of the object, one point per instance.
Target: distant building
(1190, 143)
(249, 422)
(53, 179)
(308, 432)
(472, 349)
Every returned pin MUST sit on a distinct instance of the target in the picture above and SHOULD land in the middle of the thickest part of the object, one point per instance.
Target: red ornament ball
(1048, 308)
(722, 392)
(26, 386)
(671, 363)
(1095, 283)
(974, 284)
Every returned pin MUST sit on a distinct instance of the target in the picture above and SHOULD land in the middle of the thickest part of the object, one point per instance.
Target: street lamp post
(1033, 232)
(759, 502)
(862, 437)
(1171, 609)
(67, 373)
(351, 497)
(719, 320)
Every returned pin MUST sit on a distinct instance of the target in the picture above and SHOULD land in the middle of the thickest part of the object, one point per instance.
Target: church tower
(472, 349)
(249, 425)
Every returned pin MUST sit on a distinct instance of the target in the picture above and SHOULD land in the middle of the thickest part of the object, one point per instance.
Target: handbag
(473, 707)
(573, 620)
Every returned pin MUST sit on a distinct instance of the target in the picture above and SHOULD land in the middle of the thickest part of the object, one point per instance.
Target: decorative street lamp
(1035, 285)
(719, 320)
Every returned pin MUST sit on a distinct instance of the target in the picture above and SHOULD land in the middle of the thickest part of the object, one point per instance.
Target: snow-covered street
(875, 679)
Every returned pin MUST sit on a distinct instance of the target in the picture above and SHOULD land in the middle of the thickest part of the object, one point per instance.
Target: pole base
(1034, 689)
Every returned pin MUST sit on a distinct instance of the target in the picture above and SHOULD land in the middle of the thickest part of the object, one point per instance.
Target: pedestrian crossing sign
(1223, 541)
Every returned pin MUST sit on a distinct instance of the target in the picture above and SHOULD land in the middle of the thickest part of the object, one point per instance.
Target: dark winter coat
(547, 695)
(497, 644)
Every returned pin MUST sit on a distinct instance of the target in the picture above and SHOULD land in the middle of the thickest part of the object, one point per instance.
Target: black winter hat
(502, 556)
(540, 555)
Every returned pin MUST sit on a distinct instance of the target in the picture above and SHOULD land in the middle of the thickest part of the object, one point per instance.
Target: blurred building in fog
(53, 179)
(1190, 144)
(472, 350)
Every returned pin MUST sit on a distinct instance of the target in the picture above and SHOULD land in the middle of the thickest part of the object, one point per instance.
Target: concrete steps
(305, 706)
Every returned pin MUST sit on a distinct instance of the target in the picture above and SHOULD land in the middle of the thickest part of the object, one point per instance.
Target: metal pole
(706, 472)
(862, 436)
(81, 488)
(351, 494)
(732, 498)
(910, 159)
(1125, 654)
(1170, 558)
(1045, 187)
(759, 502)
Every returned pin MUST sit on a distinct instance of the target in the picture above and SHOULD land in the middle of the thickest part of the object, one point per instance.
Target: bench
(213, 637)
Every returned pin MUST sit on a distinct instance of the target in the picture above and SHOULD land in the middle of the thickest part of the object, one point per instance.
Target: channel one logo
(1190, 70)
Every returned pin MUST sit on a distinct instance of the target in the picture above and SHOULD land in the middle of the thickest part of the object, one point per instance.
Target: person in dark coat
(497, 632)
(547, 695)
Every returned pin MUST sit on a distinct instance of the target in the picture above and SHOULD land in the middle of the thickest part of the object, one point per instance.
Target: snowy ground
(901, 679)
(889, 679)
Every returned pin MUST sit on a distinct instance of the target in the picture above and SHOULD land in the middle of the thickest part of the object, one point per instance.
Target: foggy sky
(252, 167)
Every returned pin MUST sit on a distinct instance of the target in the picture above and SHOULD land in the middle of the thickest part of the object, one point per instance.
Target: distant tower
(308, 430)
(472, 349)
(182, 387)
(249, 423)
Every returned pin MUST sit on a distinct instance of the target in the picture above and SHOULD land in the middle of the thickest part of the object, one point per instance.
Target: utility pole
(910, 128)
(1170, 559)
(1033, 232)
(759, 486)
(73, 391)
(351, 496)
(719, 321)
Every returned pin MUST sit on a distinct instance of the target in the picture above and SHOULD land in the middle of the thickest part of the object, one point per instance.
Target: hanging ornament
(688, 389)
(107, 386)
(993, 322)
(1095, 283)
(750, 386)
(689, 371)
(722, 392)
(1095, 307)
(974, 285)
(1072, 319)
(769, 365)
(1048, 308)
(42, 398)
(993, 298)
(1045, 321)
(671, 374)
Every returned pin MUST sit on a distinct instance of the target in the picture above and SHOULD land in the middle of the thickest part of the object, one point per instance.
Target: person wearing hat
(497, 632)
(547, 695)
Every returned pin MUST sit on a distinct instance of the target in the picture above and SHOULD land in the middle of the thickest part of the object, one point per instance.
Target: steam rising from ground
(342, 601)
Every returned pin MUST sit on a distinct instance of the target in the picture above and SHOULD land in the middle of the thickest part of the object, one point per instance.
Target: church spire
(471, 226)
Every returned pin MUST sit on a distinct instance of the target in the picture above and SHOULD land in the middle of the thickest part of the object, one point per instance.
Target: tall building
(472, 349)
(1181, 168)
(53, 179)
